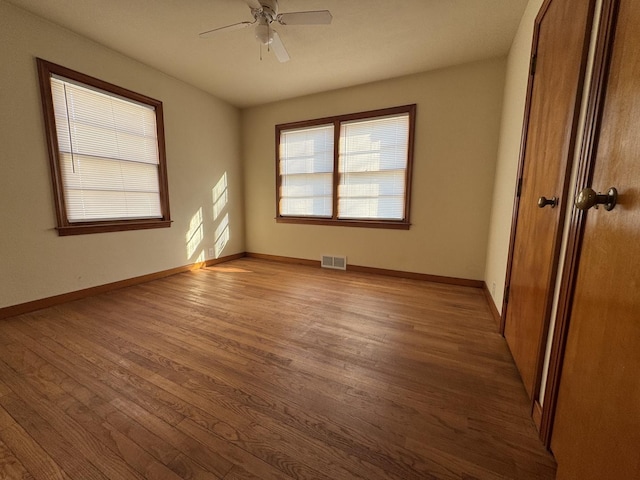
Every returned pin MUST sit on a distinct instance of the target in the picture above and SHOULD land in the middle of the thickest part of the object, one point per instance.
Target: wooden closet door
(596, 432)
(559, 58)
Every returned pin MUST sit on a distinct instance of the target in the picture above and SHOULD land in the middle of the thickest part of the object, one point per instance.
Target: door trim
(588, 149)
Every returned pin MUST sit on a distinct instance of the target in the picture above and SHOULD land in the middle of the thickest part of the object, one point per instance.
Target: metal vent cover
(337, 262)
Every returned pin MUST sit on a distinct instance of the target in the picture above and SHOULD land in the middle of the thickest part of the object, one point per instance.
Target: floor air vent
(330, 261)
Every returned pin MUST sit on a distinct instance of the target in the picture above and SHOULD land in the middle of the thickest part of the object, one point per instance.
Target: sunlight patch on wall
(195, 234)
(222, 235)
(220, 196)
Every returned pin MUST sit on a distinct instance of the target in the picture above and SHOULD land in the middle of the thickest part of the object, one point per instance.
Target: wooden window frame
(403, 224)
(64, 226)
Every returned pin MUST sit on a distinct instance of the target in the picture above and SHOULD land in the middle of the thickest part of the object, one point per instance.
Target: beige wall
(458, 119)
(458, 219)
(203, 145)
(515, 91)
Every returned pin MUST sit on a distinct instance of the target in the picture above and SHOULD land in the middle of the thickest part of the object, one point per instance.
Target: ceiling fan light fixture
(264, 34)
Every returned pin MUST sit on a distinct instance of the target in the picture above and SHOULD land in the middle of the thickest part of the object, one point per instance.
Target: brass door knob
(588, 198)
(544, 201)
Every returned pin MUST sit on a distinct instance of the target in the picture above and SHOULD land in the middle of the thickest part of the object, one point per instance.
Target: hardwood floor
(260, 370)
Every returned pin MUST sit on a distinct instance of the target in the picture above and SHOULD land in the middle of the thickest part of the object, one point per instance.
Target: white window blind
(372, 167)
(108, 152)
(306, 172)
(352, 169)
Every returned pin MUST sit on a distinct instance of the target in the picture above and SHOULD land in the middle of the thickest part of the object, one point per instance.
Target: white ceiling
(368, 40)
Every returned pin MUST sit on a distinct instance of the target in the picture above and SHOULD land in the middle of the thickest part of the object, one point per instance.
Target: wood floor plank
(56, 446)
(210, 458)
(378, 445)
(102, 428)
(111, 381)
(257, 407)
(10, 466)
(209, 421)
(120, 440)
(82, 441)
(4, 389)
(239, 473)
(27, 451)
(124, 432)
(256, 369)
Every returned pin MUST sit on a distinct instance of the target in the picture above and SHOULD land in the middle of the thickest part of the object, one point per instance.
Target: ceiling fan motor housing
(268, 12)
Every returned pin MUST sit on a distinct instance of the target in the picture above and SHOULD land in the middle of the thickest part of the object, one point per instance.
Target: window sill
(103, 227)
(390, 224)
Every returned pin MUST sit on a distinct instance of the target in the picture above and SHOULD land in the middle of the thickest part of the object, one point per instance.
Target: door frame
(536, 410)
(588, 150)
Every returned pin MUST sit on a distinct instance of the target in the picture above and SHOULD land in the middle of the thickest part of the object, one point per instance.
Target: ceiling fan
(265, 12)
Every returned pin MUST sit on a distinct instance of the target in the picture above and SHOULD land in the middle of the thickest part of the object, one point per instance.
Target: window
(348, 170)
(106, 147)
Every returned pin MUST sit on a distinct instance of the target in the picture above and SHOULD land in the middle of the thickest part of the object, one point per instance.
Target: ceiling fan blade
(278, 48)
(254, 4)
(228, 28)
(320, 17)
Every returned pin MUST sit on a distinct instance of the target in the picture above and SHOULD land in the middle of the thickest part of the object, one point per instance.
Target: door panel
(555, 97)
(596, 431)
